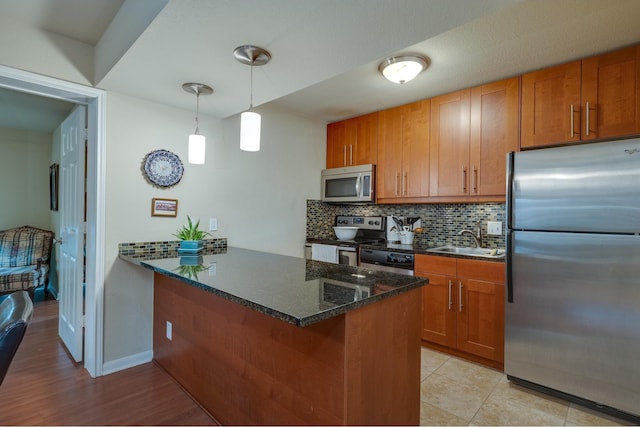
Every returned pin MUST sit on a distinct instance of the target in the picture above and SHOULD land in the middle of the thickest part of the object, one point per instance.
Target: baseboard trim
(127, 362)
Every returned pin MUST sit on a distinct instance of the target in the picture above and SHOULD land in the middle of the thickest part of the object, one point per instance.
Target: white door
(71, 203)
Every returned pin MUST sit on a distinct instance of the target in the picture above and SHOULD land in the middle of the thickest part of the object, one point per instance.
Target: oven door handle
(408, 270)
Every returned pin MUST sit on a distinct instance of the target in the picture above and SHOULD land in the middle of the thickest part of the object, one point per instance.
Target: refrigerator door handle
(509, 235)
(509, 192)
(509, 268)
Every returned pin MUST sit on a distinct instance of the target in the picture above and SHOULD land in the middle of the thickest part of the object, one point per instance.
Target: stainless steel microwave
(353, 184)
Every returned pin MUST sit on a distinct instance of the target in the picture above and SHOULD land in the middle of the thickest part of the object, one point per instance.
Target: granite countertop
(291, 289)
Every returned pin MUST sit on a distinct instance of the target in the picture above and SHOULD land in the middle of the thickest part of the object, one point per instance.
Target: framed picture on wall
(164, 207)
(53, 187)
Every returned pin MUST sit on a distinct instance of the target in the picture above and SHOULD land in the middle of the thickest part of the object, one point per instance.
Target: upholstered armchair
(25, 253)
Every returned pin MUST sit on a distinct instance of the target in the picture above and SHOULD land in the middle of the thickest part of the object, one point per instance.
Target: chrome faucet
(477, 236)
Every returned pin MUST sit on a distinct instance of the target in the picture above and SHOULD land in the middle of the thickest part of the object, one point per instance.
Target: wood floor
(44, 386)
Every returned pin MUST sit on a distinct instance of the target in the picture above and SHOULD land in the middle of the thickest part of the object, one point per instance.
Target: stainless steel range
(371, 229)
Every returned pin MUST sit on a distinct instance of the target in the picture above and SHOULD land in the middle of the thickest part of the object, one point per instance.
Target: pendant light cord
(197, 111)
(251, 90)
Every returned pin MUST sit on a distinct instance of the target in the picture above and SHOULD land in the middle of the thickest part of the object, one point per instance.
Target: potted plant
(191, 236)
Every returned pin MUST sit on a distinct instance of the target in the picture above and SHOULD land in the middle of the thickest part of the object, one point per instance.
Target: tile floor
(455, 392)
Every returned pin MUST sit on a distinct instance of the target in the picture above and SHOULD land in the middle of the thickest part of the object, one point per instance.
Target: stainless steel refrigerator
(573, 273)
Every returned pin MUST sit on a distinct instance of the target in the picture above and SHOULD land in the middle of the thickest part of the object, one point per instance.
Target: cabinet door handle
(474, 177)
(350, 154)
(450, 301)
(460, 305)
(464, 179)
(404, 184)
(344, 155)
(572, 121)
(587, 124)
(396, 187)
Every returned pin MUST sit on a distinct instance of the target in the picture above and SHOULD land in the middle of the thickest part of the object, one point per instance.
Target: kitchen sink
(476, 252)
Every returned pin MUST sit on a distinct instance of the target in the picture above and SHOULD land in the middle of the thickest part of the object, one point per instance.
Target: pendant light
(197, 141)
(250, 120)
(402, 69)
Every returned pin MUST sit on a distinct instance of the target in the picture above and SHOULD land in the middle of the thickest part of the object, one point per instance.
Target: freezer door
(574, 321)
(590, 187)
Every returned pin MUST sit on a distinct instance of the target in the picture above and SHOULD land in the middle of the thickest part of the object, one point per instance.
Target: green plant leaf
(191, 231)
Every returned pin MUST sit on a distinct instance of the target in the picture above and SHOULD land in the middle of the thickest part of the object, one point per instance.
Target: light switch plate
(213, 224)
(494, 228)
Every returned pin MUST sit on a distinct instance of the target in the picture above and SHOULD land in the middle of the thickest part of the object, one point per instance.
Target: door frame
(96, 102)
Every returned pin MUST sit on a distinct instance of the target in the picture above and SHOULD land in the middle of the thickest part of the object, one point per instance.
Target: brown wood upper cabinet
(403, 153)
(495, 131)
(463, 305)
(472, 130)
(594, 98)
(449, 145)
(353, 141)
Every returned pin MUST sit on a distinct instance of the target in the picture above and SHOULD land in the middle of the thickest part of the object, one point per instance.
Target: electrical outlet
(213, 224)
(494, 228)
(169, 331)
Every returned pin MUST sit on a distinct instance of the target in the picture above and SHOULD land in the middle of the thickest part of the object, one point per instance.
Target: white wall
(24, 178)
(258, 198)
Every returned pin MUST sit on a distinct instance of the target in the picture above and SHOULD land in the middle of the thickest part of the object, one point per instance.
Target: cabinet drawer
(435, 264)
(481, 270)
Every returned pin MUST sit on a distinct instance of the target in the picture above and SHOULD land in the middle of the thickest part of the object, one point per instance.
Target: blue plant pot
(190, 245)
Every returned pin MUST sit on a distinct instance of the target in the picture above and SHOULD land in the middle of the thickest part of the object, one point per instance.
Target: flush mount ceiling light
(197, 141)
(250, 120)
(401, 69)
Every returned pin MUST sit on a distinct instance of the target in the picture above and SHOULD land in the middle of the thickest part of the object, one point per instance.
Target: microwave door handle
(358, 189)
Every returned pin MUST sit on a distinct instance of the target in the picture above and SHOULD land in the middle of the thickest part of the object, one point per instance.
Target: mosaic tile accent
(441, 222)
(321, 218)
(167, 248)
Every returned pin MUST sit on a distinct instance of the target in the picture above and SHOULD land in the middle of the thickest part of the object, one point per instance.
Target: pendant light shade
(250, 120)
(402, 69)
(197, 142)
(196, 149)
(250, 131)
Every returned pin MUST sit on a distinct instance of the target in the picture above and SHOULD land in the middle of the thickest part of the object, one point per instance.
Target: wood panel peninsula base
(246, 367)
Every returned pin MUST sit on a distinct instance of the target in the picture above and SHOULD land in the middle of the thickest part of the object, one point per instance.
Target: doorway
(95, 101)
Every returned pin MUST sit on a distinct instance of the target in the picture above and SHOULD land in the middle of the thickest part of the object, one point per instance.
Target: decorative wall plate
(163, 168)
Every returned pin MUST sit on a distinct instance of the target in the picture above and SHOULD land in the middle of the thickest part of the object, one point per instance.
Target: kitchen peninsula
(259, 338)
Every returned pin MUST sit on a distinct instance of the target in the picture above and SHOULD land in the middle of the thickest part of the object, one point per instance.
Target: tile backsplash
(441, 222)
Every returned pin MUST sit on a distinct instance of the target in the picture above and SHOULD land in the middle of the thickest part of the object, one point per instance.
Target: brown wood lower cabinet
(463, 306)
(244, 367)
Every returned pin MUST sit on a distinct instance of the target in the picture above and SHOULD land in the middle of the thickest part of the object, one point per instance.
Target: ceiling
(326, 52)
